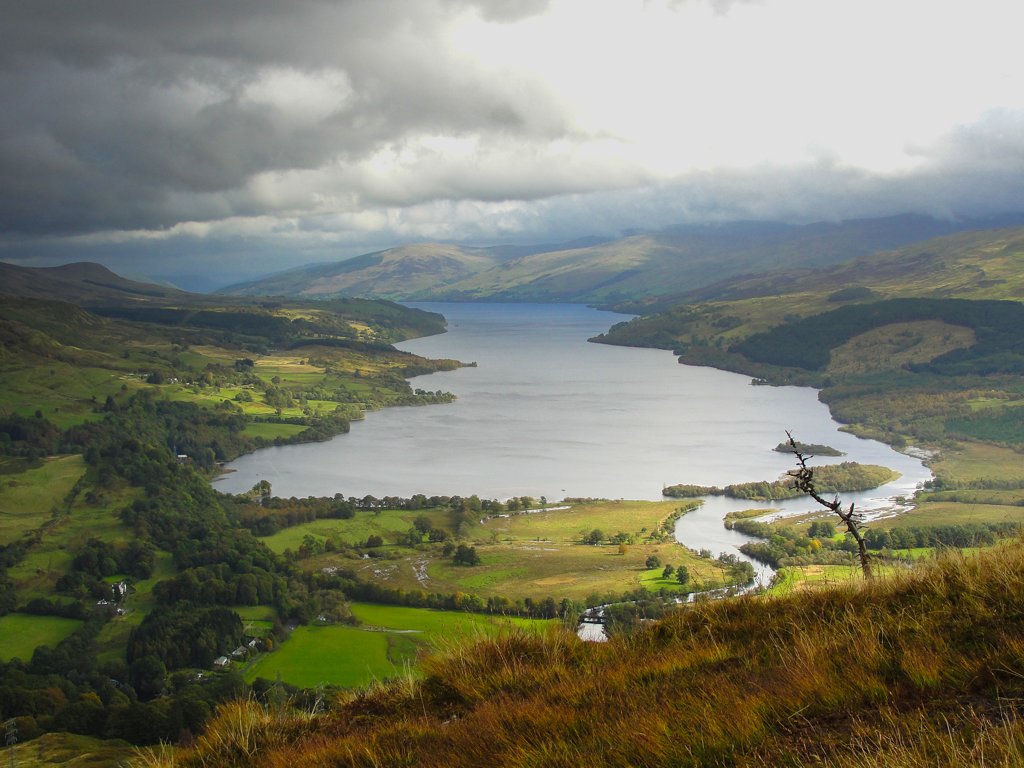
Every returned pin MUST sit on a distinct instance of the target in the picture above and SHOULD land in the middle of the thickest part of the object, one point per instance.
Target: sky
(206, 142)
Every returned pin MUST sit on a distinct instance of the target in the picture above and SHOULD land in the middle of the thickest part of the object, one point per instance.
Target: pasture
(332, 655)
(980, 461)
(22, 633)
(64, 393)
(37, 573)
(27, 497)
(270, 431)
(535, 555)
(389, 524)
(954, 513)
(388, 644)
(438, 624)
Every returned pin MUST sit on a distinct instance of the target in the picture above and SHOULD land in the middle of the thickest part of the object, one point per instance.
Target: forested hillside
(119, 565)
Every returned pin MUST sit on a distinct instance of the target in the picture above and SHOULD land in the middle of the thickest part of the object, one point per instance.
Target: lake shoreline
(644, 390)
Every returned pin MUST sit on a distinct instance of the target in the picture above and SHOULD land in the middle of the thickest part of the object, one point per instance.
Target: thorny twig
(803, 480)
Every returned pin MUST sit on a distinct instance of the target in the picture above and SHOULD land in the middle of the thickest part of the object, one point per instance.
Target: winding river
(545, 413)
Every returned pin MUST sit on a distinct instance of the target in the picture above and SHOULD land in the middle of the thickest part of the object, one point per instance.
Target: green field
(268, 430)
(255, 612)
(21, 633)
(387, 524)
(969, 461)
(343, 656)
(953, 513)
(26, 498)
(36, 574)
(436, 624)
(387, 645)
(62, 392)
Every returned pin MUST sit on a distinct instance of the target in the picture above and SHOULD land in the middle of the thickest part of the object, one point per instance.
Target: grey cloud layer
(270, 121)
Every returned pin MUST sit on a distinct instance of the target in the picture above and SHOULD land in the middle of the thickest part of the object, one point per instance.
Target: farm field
(335, 655)
(970, 461)
(62, 392)
(387, 523)
(27, 498)
(437, 624)
(955, 513)
(535, 555)
(270, 431)
(36, 574)
(387, 646)
(22, 633)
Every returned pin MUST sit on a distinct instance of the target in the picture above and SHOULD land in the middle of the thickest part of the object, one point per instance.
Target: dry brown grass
(923, 668)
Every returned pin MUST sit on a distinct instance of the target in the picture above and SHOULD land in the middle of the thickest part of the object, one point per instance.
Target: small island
(809, 449)
(831, 478)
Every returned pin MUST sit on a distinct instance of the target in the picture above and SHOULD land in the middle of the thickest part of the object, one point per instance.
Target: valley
(126, 574)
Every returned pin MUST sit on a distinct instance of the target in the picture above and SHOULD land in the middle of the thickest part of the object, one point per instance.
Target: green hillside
(407, 272)
(978, 265)
(116, 407)
(985, 264)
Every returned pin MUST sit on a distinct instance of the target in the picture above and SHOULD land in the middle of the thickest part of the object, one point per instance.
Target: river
(545, 413)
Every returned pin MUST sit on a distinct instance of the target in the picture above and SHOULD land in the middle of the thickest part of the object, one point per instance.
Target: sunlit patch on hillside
(894, 346)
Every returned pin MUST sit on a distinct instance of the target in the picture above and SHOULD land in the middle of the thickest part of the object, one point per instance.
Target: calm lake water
(545, 413)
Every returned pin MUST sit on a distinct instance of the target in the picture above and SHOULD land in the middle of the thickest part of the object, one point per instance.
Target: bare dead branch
(803, 480)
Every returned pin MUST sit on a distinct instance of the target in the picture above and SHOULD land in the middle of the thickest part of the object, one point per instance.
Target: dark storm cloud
(115, 111)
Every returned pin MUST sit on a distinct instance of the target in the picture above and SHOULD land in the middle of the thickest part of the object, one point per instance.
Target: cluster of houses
(119, 591)
(255, 645)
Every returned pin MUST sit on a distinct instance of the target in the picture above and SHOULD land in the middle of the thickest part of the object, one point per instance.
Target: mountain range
(642, 272)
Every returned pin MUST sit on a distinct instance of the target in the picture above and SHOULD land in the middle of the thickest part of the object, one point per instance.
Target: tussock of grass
(920, 668)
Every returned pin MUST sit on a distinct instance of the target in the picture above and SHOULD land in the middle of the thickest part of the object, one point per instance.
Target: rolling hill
(983, 265)
(918, 344)
(643, 272)
(83, 283)
(397, 273)
(910, 671)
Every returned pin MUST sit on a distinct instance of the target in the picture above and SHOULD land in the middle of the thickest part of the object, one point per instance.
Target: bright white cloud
(303, 96)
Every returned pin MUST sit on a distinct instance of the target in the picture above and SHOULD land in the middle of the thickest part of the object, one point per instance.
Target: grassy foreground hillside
(925, 667)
